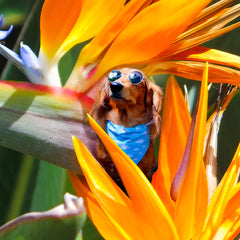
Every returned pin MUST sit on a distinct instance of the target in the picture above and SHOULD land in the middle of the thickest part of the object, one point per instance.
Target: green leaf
(39, 121)
(52, 182)
(50, 187)
(9, 166)
(62, 222)
(22, 180)
(68, 61)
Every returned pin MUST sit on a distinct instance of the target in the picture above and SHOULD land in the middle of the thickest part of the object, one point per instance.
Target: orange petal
(91, 52)
(211, 10)
(189, 215)
(174, 131)
(94, 211)
(94, 16)
(205, 30)
(230, 227)
(228, 230)
(221, 196)
(193, 70)
(109, 196)
(149, 208)
(201, 201)
(150, 32)
(204, 54)
(233, 203)
(57, 19)
(65, 24)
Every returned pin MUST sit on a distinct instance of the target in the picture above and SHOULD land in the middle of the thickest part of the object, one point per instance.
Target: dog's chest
(126, 118)
(114, 116)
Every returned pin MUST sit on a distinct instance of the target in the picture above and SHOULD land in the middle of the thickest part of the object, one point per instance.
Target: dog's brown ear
(101, 105)
(154, 103)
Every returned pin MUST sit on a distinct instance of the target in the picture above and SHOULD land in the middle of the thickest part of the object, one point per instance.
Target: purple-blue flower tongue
(4, 33)
(31, 63)
(27, 62)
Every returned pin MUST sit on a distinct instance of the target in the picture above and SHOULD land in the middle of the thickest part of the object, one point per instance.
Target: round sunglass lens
(135, 77)
(114, 75)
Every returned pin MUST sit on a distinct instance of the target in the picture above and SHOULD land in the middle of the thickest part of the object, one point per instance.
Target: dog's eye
(135, 77)
(114, 75)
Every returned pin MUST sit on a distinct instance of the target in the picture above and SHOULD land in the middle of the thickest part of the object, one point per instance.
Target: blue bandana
(134, 141)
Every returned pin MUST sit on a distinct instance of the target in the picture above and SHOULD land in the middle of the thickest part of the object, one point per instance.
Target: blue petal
(4, 33)
(31, 63)
(12, 56)
(28, 56)
(32, 71)
(1, 20)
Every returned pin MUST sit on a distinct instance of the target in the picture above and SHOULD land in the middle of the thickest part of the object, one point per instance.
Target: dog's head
(126, 86)
(131, 91)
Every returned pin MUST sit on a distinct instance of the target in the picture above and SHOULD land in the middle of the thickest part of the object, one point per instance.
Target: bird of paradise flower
(152, 211)
(155, 36)
(144, 34)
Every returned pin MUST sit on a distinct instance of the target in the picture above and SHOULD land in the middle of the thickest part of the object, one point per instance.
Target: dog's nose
(116, 87)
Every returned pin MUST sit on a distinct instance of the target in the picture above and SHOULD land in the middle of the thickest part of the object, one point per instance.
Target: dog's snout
(116, 87)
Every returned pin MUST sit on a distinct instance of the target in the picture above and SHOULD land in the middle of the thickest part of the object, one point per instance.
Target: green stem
(19, 194)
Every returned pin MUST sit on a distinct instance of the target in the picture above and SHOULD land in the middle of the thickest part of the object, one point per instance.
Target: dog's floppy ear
(154, 103)
(101, 105)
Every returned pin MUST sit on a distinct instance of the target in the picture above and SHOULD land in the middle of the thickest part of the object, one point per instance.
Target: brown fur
(139, 104)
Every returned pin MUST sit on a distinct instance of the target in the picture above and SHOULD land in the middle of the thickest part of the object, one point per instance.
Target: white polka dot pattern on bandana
(134, 141)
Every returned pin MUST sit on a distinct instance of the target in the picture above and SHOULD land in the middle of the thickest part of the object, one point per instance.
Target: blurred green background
(27, 184)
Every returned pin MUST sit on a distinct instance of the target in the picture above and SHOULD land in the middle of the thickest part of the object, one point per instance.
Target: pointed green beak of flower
(39, 121)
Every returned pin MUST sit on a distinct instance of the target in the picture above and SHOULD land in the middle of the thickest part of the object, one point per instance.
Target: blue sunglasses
(135, 77)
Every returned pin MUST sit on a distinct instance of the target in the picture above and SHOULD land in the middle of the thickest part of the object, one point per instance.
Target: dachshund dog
(129, 103)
